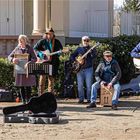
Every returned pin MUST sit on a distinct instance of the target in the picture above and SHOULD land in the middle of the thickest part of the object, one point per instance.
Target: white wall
(72, 18)
(57, 16)
(130, 23)
(89, 17)
(11, 17)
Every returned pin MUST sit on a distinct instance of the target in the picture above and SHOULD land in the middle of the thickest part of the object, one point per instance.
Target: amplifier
(6, 96)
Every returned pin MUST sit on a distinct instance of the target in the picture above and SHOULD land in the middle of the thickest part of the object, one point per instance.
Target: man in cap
(86, 72)
(50, 43)
(108, 73)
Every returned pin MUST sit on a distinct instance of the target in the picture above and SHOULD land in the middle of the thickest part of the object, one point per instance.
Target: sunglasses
(86, 40)
(108, 55)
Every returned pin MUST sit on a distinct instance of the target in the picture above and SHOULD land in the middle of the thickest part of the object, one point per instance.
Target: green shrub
(121, 47)
(6, 73)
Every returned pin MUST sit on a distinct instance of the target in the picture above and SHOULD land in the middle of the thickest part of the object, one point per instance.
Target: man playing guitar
(51, 44)
(86, 71)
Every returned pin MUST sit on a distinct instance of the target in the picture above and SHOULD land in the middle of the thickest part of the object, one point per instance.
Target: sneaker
(80, 102)
(91, 105)
(114, 107)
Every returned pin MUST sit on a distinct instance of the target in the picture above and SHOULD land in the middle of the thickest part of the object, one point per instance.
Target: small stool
(106, 96)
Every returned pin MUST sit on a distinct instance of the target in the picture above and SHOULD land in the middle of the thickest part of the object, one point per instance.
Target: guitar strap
(53, 43)
(85, 49)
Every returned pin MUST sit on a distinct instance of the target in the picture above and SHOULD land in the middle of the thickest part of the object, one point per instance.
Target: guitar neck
(14, 109)
(83, 56)
(53, 53)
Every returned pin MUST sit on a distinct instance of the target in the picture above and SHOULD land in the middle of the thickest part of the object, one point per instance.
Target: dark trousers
(25, 93)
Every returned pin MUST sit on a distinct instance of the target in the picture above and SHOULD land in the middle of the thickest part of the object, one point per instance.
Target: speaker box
(6, 96)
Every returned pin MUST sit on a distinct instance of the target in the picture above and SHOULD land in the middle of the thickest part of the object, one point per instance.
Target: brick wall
(8, 43)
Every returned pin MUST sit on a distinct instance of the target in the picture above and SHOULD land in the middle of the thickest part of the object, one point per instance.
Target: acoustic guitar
(47, 54)
(136, 62)
(46, 103)
(79, 62)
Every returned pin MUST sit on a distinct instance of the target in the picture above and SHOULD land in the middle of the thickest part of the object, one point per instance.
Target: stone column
(47, 14)
(38, 17)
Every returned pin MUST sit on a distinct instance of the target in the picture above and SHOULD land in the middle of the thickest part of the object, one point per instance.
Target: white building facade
(69, 18)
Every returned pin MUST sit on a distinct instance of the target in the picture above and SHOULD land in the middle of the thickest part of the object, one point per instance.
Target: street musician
(21, 80)
(86, 71)
(48, 44)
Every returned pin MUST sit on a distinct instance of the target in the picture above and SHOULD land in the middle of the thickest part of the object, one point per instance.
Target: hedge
(121, 47)
(6, 73)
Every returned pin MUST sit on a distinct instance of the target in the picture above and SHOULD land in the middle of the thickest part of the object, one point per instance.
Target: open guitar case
(43, 111)
(40, 118)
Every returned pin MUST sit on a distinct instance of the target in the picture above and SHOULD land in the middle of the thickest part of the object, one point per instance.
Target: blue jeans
(87, 76)
(96, 86)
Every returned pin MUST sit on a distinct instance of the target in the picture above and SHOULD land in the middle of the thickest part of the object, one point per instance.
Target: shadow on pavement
(123, 105)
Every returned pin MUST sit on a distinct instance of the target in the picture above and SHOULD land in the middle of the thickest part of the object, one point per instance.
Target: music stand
(39, 69)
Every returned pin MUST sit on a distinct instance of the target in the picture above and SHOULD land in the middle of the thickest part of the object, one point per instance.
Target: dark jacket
(115, 72)
(88, 59)
(43, 44)
(136, 51)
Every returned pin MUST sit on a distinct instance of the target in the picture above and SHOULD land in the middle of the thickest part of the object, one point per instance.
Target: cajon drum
(106, 96)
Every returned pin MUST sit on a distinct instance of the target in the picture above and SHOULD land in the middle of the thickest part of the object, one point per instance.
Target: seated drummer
(108, 73)
(51, 44)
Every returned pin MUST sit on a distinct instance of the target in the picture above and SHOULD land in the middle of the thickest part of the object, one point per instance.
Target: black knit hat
(49, 30)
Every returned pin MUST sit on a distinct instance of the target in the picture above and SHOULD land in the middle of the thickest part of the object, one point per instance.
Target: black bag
(6, 96)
